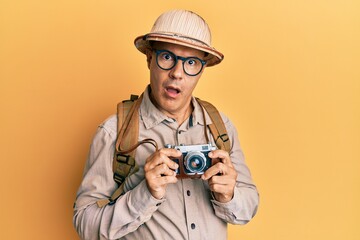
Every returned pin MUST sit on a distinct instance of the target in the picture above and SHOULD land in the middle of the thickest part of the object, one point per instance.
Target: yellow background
(290, 82)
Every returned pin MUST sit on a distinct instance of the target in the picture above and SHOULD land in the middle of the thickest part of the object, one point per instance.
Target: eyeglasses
(166, 60)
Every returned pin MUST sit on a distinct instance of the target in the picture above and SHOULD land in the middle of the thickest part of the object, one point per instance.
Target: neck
(179, 115)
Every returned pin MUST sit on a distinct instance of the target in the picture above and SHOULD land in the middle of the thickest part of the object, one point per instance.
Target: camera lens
(195, 162)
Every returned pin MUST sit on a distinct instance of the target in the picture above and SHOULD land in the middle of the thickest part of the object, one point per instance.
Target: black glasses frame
(183, 59)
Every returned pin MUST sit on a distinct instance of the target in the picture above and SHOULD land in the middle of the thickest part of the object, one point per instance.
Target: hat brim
(142, 44)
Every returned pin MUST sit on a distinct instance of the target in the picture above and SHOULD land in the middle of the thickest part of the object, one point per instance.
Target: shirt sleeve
(243, 206)
(111, 221)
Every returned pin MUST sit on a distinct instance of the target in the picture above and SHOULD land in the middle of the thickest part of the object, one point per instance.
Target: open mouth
(172, 91)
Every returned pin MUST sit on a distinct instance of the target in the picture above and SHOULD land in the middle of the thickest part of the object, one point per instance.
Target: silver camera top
(192, 148)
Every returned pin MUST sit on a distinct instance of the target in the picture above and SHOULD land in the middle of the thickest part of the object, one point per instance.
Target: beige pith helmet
(183, 28)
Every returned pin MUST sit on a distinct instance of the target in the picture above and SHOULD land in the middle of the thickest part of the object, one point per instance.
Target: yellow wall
(290, 82)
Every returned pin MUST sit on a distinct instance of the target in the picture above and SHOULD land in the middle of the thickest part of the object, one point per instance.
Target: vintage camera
(194, 160)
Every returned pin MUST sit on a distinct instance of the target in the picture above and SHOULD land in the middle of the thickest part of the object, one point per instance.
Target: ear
(149, 55)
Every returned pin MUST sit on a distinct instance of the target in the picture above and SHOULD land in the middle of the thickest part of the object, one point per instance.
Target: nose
(177, 71)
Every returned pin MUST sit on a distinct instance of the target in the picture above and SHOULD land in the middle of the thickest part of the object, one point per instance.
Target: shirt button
(188, 193)
(193, 226)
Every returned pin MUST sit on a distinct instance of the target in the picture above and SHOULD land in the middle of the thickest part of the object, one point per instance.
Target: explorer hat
(184, 28)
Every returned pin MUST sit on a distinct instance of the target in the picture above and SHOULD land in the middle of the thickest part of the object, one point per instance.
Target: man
(156, 204)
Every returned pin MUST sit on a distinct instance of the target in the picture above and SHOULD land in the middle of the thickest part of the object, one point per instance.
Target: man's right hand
(159, 171)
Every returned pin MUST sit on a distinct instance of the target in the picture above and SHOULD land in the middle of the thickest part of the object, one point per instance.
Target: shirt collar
(152, 116)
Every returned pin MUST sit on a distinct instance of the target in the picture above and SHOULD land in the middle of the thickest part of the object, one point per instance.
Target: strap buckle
(124, 166)
(224, 137)
(123, 158)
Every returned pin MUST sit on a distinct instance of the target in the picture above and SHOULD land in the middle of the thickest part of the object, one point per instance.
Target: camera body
(194, 160)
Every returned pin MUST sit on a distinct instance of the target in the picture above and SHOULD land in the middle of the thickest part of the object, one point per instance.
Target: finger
(154, 160)
(218, 168)
(157, 186)
(171, 164)
(165, 180)
(161, 157)
(221, 154)
(161, 170)
(168, 172)
(218, 188)
(158, 177)
(222, 180)
(161, 181)
(228, 181)
(163, 153)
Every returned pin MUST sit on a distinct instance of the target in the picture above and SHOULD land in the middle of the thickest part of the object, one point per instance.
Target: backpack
(124, 163)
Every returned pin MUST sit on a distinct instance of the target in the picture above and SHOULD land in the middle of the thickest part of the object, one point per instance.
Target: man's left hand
(222, 176)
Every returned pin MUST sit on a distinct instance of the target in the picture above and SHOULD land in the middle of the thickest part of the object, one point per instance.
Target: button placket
(190, 208)
(183, 137)
(180, 138)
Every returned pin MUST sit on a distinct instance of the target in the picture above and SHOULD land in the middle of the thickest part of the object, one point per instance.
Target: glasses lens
(166, 60)
(192, 66)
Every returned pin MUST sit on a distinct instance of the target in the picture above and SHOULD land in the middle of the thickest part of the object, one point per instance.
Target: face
(171, 90)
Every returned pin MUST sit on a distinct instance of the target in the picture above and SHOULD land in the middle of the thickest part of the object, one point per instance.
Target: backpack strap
(217, 127)
(124, 163)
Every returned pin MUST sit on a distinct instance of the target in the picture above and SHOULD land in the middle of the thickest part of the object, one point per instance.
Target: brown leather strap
(217, 128)
(129, 131)
(124, 163)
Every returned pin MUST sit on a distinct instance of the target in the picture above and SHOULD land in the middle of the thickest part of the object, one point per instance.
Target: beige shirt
(188, 210)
